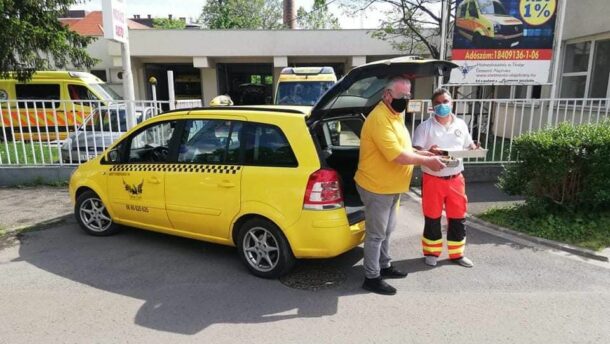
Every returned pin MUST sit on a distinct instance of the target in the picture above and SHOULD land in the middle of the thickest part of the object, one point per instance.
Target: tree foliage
(32, 38)
(168, 24)
(242, 14)
(411, 26)
(318, 18)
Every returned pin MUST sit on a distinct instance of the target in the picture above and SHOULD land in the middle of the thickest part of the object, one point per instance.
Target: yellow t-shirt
(383, 137)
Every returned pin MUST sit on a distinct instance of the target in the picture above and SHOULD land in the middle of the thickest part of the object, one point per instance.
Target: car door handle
(154, 180)
(226, 184)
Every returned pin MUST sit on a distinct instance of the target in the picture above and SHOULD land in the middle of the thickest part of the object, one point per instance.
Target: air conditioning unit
(116, 76)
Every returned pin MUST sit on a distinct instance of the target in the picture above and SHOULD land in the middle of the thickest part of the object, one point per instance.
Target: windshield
(110, 120)
(105, 91)
(301, 93)
(491, 7)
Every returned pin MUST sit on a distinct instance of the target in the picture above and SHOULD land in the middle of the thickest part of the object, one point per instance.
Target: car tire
(92, 215)
(264, 249)
(477, 41)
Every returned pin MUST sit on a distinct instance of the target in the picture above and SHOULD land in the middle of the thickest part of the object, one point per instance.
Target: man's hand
(475, 145)
(434, 163)
(435, 151)
(424, 153)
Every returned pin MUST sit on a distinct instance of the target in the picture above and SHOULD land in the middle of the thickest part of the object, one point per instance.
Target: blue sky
(192, 9)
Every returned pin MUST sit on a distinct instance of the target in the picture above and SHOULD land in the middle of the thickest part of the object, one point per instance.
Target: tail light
(323, 191)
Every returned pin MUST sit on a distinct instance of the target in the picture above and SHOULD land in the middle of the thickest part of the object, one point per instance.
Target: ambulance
(50, 105)
(303, 85)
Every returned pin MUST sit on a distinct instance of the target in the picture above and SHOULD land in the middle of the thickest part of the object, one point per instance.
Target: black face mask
(399, 104)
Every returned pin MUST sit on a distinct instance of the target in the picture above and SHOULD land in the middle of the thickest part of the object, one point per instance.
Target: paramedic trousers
(448, 193)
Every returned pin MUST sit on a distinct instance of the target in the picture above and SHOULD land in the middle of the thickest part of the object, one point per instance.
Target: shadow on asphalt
(186, 285)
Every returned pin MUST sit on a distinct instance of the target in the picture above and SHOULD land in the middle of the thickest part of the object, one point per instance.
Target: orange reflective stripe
(456, 256)
(440, 244)
(452, 247)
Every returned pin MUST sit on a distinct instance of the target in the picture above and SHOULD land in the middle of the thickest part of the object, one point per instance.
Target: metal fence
(48, 132)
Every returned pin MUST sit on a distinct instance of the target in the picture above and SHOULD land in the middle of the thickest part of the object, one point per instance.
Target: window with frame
(210, 142)
(344, 132)
(585, 70)
(79, 92)
(28, 92)
(151, 145)
(266, 145)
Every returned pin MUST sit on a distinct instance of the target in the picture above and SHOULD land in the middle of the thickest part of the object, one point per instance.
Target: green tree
(318, 18)
(242, 14)
(411, 26)
(32, 38)
(168, 24)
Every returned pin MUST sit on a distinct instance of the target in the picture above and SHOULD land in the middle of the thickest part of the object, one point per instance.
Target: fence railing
(49, 132)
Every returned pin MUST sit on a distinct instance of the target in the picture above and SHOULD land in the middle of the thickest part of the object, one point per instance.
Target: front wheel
(92, 215)
(264, 249)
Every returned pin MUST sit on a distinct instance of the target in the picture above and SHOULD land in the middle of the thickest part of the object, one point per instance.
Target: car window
(472, 10)
(151, 145)
(38, 92)
(266, 145)
(491, 7)
(210, 142)
(343, 133)
(462, 10)
(78, 92)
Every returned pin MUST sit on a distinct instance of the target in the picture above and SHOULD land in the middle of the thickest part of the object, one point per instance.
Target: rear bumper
(324, 234)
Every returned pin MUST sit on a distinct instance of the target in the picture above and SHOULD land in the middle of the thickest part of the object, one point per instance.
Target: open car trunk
(336, 119)
(339, 144)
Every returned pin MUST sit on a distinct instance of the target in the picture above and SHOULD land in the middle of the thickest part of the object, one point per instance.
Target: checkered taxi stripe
(182, 168)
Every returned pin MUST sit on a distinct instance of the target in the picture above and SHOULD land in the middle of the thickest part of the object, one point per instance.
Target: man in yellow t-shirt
(384, 172)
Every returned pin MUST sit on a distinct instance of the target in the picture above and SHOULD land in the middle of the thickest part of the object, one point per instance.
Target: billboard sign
(115, 20)
(503, 42)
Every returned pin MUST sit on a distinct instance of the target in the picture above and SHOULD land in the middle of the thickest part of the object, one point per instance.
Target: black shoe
(379, 286)
(392, 272)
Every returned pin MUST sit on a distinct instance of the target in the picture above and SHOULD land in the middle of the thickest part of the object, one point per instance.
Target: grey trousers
(380, 216)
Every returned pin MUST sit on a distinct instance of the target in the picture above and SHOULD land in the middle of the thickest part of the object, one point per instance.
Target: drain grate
(313, 277)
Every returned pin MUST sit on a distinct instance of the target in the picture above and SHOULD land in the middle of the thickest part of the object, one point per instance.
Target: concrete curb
(583, 252)
(39, 225)
(507, 233)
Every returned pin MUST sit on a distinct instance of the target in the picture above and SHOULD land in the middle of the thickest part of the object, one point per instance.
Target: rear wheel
(264, 249)
(92, 215)
(477, 41)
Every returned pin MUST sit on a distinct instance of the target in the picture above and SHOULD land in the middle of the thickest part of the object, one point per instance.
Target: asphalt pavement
(61, 285)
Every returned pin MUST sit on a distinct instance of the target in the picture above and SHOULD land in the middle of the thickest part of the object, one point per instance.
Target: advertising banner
(503, 42)
(115, 21)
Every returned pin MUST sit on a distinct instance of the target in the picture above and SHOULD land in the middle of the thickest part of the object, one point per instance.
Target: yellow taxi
(270, 180)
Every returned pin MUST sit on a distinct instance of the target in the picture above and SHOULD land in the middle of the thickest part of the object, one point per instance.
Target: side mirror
(112, 156)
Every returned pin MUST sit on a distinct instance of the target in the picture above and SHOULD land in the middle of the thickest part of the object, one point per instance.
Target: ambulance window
(38, 92)
(472, 10)
(151, 145)
(78, 92)
(462, 10)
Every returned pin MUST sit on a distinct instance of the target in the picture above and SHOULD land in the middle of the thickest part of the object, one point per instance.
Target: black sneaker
(392, 272)
(379, 286)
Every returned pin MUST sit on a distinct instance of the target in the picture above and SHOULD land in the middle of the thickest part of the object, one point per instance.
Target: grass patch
(585, 229)
(28, 153)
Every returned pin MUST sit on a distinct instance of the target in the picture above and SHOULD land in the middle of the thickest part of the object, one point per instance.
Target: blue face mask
(442, 110)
